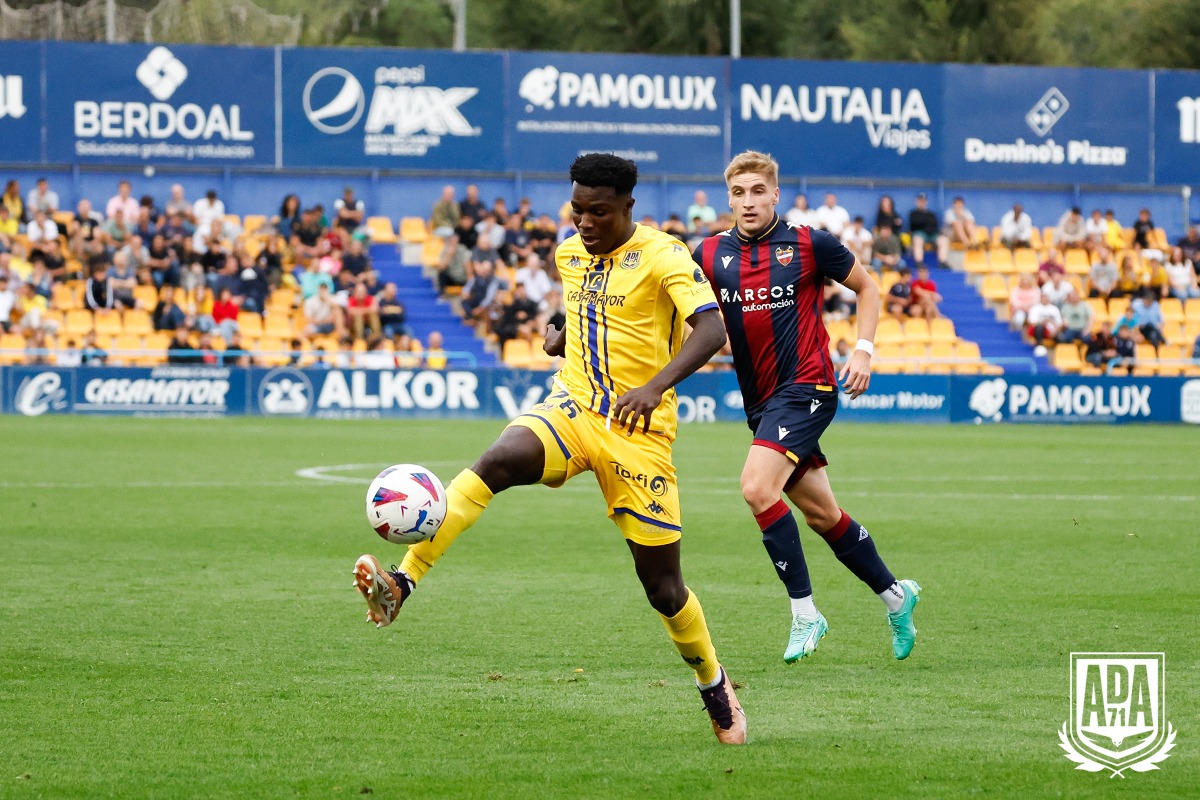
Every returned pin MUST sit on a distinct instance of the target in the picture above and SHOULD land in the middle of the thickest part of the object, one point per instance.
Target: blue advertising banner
(393, 109)
(162, 391)
(665, 113)
(840, 119)
(1041, 124)
(21, 102)
(152, 104)
(1177, 127)
(1063, 398)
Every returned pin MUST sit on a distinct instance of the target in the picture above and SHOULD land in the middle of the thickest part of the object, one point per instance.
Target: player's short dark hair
(604, 169)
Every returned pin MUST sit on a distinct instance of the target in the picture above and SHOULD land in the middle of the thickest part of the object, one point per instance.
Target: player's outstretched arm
(855, 376)
(708, 337)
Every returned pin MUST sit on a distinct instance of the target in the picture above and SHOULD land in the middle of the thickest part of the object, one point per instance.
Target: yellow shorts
(635, 472)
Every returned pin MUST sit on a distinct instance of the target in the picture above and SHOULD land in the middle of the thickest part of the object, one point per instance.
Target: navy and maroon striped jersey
(771, 290)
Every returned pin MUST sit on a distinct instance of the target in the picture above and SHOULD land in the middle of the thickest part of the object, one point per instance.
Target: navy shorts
(792, 422)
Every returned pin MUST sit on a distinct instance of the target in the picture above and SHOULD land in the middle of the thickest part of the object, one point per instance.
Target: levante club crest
(1118, 707)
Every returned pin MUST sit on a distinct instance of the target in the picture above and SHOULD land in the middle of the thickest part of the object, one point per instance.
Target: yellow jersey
(625, 316)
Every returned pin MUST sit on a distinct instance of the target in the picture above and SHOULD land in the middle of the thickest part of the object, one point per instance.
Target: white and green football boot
(904, 633)
(805, 636)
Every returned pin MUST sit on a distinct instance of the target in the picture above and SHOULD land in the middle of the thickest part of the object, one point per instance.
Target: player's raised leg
(517, 458)
(659, 571)
(763, 477)
(855, 548)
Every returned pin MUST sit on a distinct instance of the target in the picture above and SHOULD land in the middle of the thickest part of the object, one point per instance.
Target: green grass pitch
(177, 619)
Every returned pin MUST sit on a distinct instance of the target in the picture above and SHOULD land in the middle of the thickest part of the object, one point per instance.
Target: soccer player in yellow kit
(628, 290)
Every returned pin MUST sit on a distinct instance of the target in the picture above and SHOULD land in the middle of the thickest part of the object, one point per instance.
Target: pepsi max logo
(333, 100)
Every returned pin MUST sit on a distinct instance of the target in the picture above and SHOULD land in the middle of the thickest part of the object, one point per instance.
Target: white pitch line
(319, 473)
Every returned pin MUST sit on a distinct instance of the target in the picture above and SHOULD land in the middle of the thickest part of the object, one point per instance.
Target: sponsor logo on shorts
(657, 484)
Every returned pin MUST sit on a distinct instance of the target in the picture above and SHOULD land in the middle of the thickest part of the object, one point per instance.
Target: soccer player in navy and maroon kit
(768, 276)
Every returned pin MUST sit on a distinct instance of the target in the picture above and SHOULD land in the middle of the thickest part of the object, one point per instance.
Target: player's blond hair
(752, 161)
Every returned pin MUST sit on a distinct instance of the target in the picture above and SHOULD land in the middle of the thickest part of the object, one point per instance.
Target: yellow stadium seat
(12, 348)
(917, 330)
(147, 296)
(1191, 310)
(1066, 358)
(1076, 262)
(431, 251)
(1099, 309)
(1116, 307)
(253, 223)
(250, 323)
(517, 353)
(282, 298)
(941, 329)
(138, 322)
(915, 351)
(64, 297)
(1171, 370)
(1146, 352)
(413, 230)
(1000, 259)
(1025, 259)
(1172, 309)
(889, 331)
(994, 288)
(967, 349)
(1159, 240)
(976, 261)
(380, 230)
(1048, 233)
(278, 325)
(996, 236)
(78, 321)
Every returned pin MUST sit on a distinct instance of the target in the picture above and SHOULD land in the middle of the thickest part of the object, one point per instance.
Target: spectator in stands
(9, 229)
(840, 302)
(1052, 266)
(480, 291)
(885, 214)
(180, 350)
(1102, 276)
(1096, 230)
(1127, 320)
(1190, 244)
(177, 233)
(1057, 289)
(841, 354)
(289, 216)
(91, 354)
(543, 238)
(858, 240)
(162, 262)
(1156, 279)
(958, 228)
(39, 277)
(1143, 231)
(362, 312)
(11, 199)
(42, 198)
(490, 234)
(376, 356)
(393, 319)
(923, 226)
(537, 282)
(466, 233)
(1115, 238)
(32, 308)
(1071, 230)
(145, 226)
(925, 298)
(1129, 281)
(224, 313)
(350, 213)
(8, 300)
(178, 203)
(137, 255)
(1181, 276)
(199, 308)
(1101, 349)
(1077, 318)
(235, 353)
(1021, 298)
(800, 214)
(98, 292)
(471, 207)
(1126, 346)
(453, 265)
(1043, 323)
(41, 229)
(329, 258)
(699, 212)
(518, 244)
(524, 212)
(56, 262)
(1148, 318)
(123, 280)
(253, 287)
(322, 317)
(446, 213)
(208, 209)
(85, 227)
(517, 317)
(115, 229)
(1016, 228)
(831, 216)
(551, 310)
(407, 351)
(900, 294)
(356, 261)
(168, 316)
(500, 211)
(122, 201)
(435, 355)
(306, 234)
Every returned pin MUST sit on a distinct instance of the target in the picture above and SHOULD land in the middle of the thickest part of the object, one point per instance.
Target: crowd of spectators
(190, 277)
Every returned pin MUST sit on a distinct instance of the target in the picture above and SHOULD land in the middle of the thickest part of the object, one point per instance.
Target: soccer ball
(406, 504)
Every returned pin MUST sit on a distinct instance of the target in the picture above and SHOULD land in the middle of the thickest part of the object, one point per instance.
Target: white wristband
(866, 346)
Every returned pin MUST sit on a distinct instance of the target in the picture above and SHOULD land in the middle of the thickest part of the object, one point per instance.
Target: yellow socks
(466, 498)
(689, 631)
